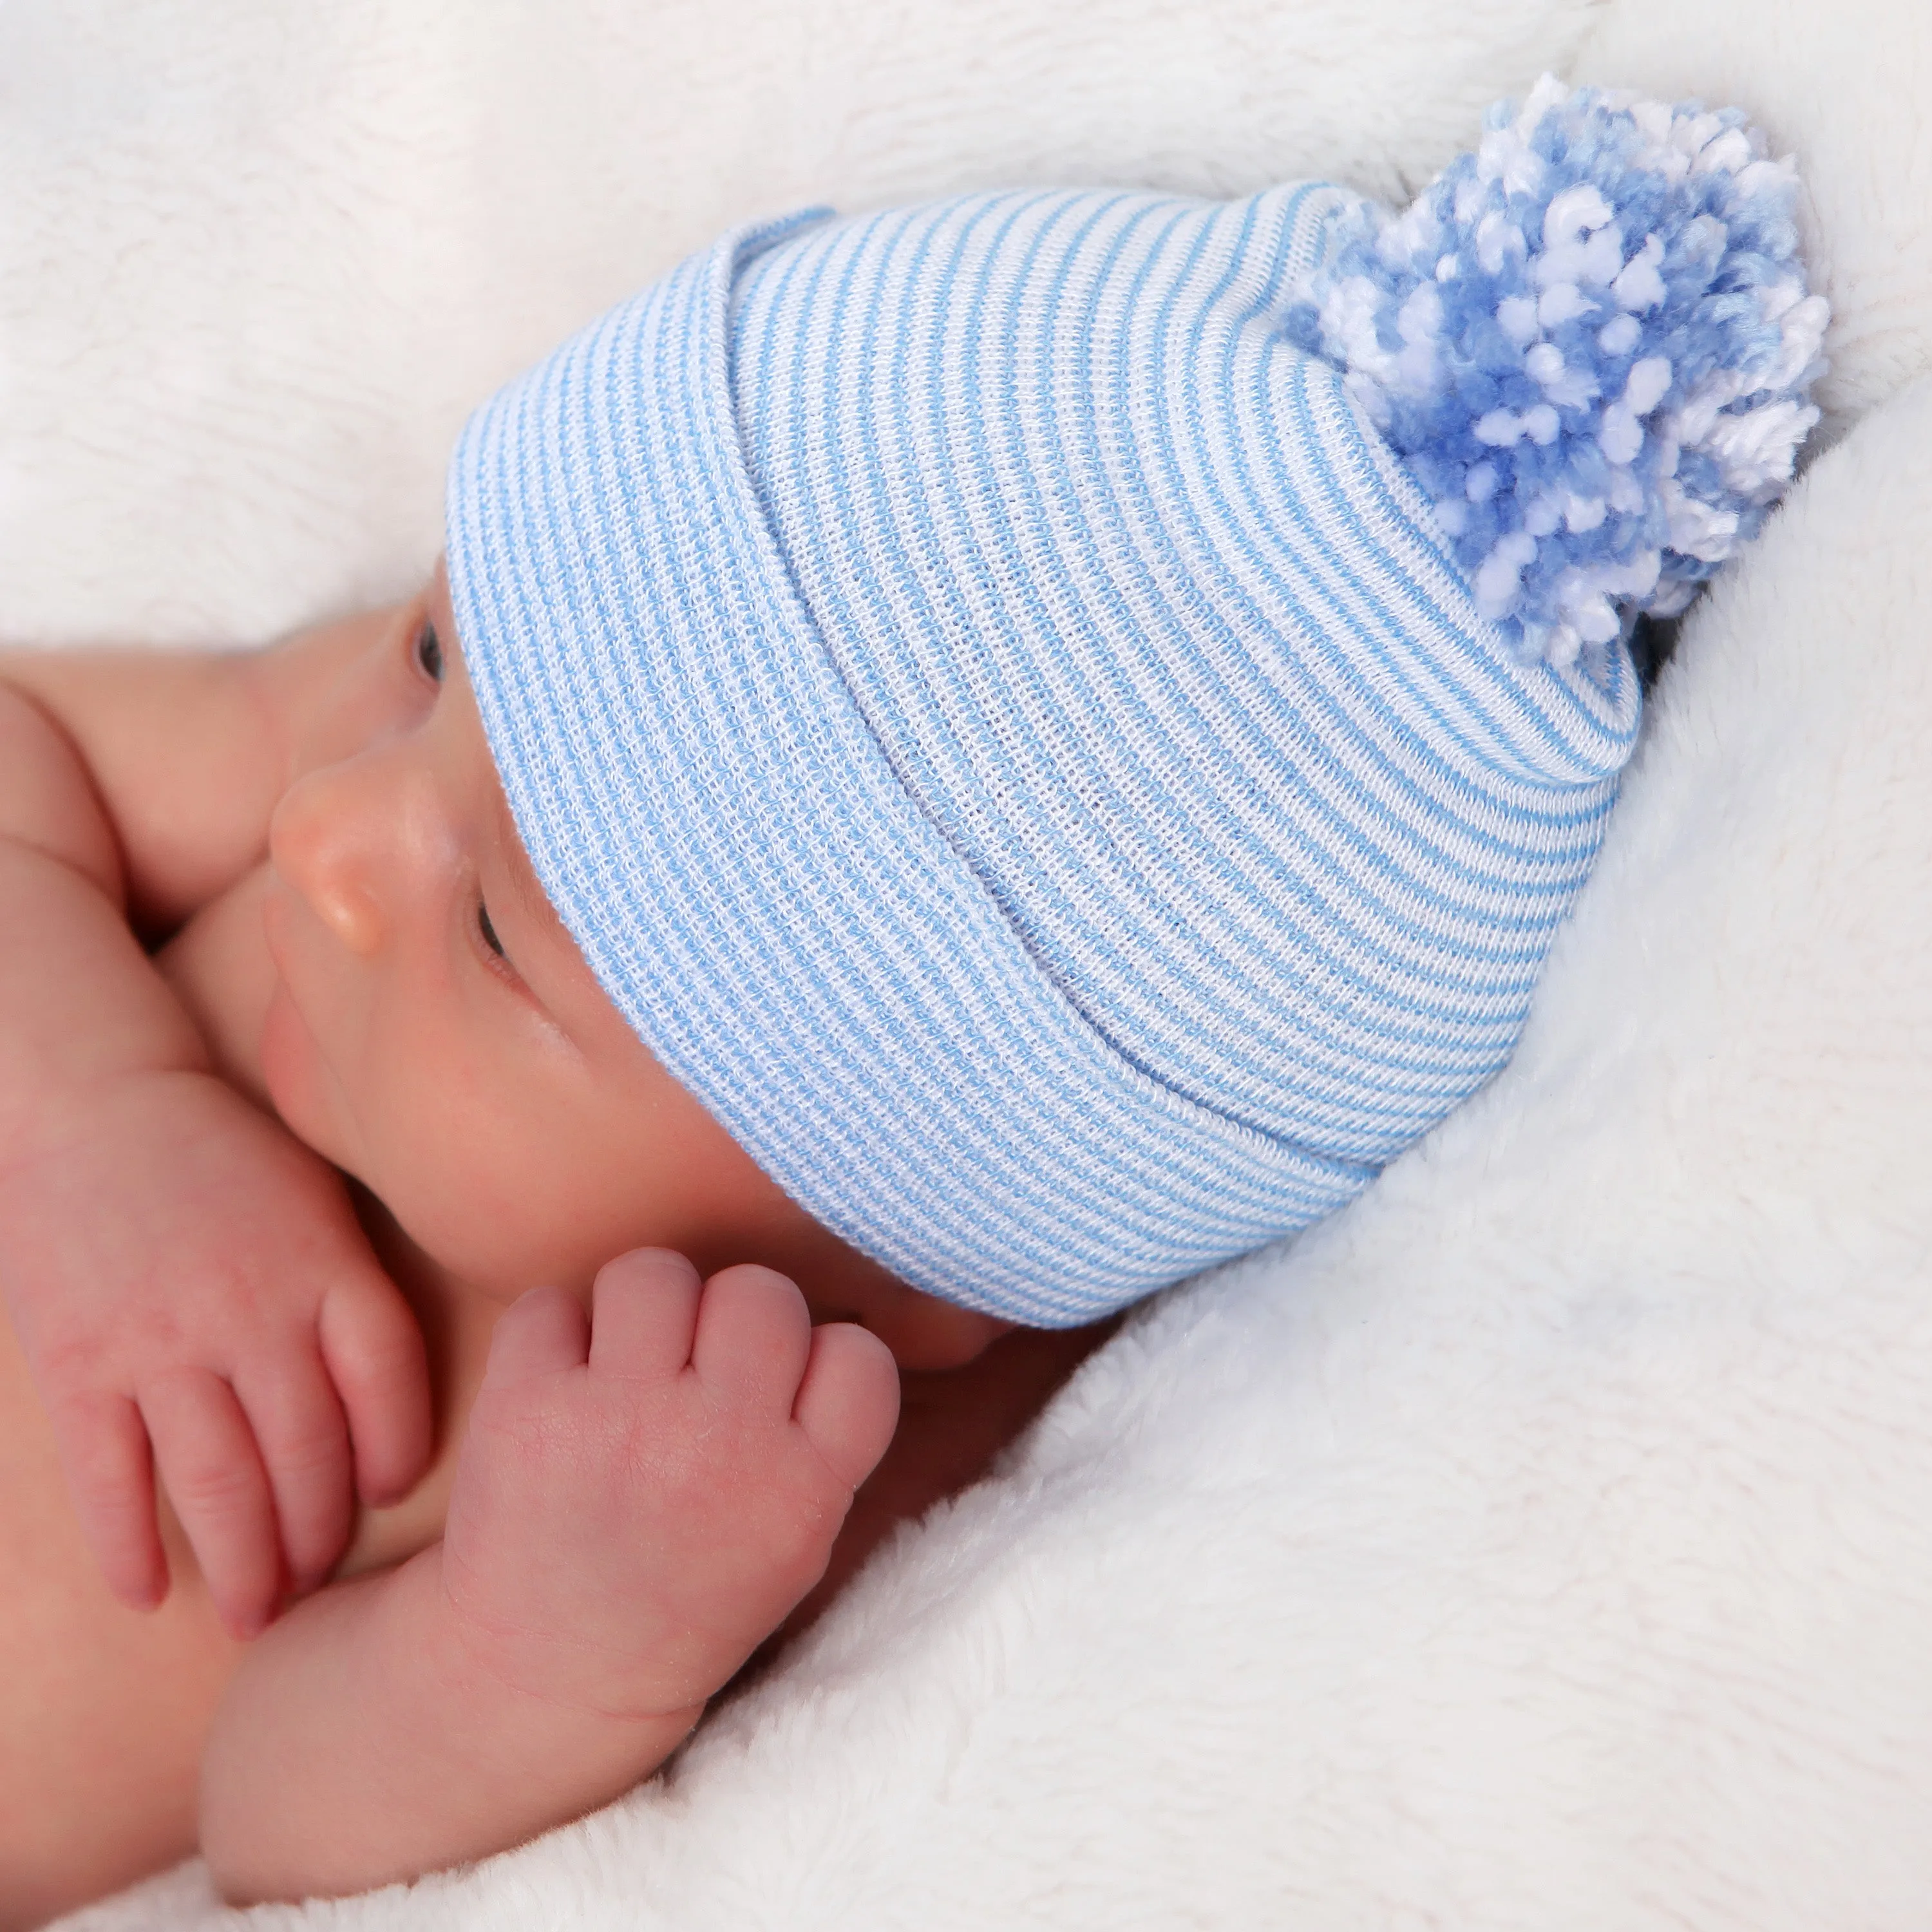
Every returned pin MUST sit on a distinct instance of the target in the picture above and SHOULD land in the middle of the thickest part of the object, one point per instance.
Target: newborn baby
(366, 953)
(965, 764)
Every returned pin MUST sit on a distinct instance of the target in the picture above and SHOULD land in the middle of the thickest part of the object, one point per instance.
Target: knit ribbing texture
(1012, 739)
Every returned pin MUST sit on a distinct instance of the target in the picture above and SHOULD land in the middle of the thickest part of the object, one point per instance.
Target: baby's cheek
(503, 1195)
(475, 1214)
(298, 1083)
(420, 1156)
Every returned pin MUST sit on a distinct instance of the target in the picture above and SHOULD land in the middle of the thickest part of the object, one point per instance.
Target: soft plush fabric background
(1545, 1542)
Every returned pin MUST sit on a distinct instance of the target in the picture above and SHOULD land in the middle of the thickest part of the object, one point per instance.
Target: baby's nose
(324, 839)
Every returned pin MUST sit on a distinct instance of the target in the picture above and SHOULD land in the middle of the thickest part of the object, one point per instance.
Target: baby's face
(435, 1031)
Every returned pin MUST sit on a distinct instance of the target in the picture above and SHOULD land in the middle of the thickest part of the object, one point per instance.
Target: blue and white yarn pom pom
(1593, 343)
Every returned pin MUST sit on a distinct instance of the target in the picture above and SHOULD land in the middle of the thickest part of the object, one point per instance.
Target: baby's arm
(188, 1281)
(180, 756)
(640, 1499)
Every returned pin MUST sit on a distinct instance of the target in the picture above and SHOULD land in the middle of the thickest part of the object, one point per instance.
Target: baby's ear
(925, 1333)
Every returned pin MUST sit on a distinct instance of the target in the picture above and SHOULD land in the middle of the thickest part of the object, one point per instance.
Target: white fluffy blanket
(1545, 1542)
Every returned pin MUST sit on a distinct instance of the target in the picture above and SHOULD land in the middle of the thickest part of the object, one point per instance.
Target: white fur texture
(1545, 1542)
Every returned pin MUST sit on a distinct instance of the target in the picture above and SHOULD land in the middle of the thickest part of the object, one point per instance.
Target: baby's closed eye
(428, 648)
(488, 930)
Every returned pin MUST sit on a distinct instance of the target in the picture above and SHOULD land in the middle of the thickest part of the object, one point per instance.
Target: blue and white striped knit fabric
(1012, 738)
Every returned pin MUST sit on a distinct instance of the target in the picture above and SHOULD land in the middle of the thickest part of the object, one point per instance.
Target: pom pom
(1593, 341)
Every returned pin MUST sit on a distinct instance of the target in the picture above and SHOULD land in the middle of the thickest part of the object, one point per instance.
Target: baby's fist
(643, 1494)
(196, 1300)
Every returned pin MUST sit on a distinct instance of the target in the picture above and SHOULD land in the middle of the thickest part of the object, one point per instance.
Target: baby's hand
(192, 1291)
(644, 1495)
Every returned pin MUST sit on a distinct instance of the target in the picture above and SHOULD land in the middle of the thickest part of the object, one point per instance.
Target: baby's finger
(753, 1334)
(643, 1309)
(848, 1403)
(104, 1454)
(206, 1453)
(372, 1348)
(303, 1444)
(541, 1332)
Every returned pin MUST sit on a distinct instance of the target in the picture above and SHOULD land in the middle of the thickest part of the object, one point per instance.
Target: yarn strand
(1593, 341)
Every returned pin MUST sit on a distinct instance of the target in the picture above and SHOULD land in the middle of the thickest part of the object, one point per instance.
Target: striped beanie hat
(1068, 720)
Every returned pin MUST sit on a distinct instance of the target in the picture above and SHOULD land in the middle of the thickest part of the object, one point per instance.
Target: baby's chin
(297, 1080)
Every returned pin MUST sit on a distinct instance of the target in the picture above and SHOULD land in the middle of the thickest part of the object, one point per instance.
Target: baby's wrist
(583, 1749)
(516, 1666)
(86, 1017)
(142, 1105)
(416, 1754)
